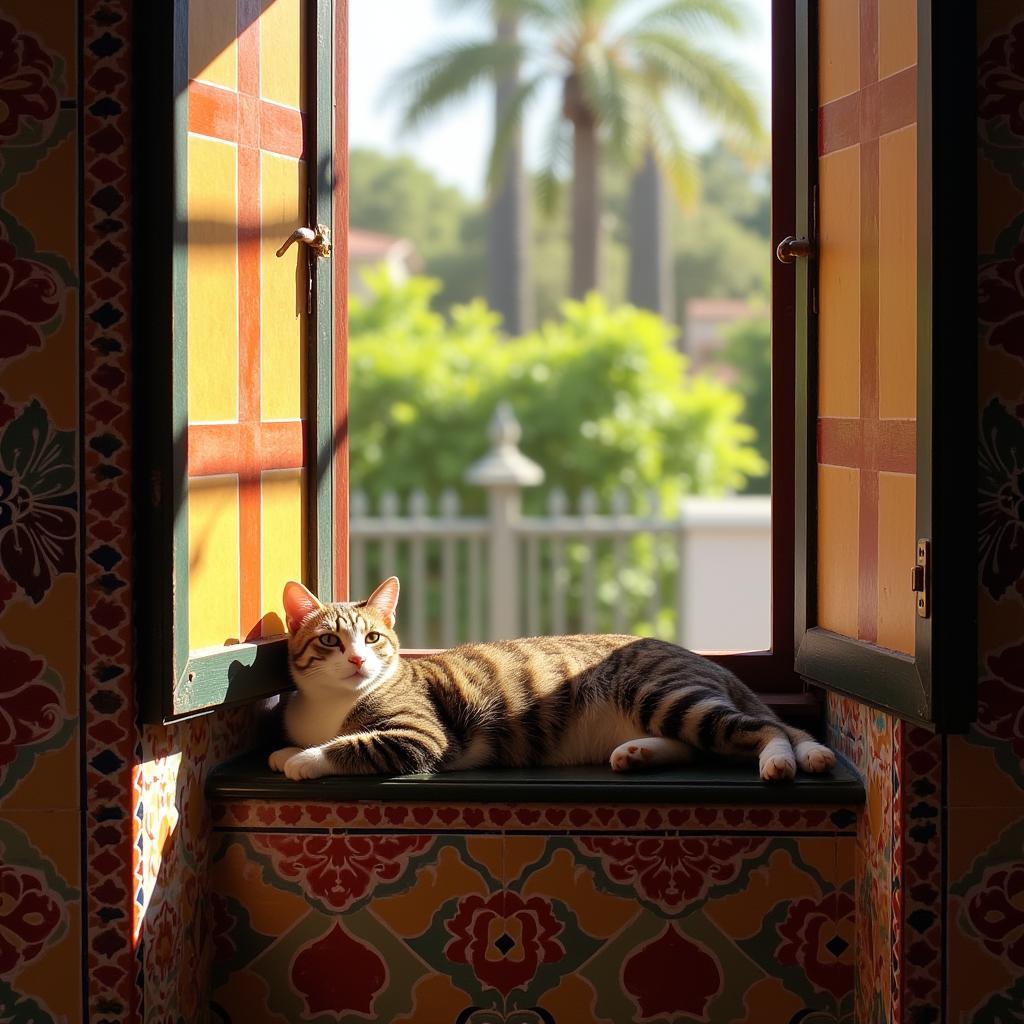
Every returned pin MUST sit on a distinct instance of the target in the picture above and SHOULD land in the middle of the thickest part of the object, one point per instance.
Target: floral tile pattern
(248, 814)
(40, 897)
(530, 927)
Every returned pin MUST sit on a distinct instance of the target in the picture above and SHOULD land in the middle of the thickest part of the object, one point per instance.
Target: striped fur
(361, 709)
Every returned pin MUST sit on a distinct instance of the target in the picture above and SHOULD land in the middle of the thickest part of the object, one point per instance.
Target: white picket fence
(701, 577)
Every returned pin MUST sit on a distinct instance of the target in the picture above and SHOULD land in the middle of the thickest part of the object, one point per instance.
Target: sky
(387, 34)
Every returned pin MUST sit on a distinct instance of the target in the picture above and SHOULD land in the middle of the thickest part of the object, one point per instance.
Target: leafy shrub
(604, 398)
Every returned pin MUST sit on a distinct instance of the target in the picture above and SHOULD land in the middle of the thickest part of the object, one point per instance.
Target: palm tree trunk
(586, 208)
(508, 283)
(650, 256)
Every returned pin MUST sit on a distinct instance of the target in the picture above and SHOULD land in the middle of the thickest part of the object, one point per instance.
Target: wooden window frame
(173, 686)
(771, 672)
(935, 686)
(248, 671)
(175, 683)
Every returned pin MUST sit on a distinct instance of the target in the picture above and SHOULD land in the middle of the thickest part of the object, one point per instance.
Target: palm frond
(714, 84)
(557, 160)
(619, 98)
(440, 78)
(693, 16)
(505, 130)
(676, 163)
(543, 12)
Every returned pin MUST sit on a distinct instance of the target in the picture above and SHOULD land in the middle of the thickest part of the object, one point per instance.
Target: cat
(563, 700)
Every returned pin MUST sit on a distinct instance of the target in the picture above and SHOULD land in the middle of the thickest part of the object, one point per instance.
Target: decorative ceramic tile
(111, 737)
(532, 927)
(545, 818)
(40, 908)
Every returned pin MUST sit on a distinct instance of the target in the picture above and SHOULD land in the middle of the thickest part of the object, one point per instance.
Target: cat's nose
(356, 660)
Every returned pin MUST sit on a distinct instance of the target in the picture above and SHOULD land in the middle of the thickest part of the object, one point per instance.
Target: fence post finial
(504, 471)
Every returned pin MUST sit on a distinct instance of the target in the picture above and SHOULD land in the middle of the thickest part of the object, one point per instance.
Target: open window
(240, 377)
(242, 372)
(885, 356)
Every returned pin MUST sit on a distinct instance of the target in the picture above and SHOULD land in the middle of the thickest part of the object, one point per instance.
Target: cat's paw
(307, 764)
(814, 757)
(628, 757)
(776, 761)
(279, 758)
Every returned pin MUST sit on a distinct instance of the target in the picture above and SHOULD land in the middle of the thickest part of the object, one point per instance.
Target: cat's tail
(708, 720)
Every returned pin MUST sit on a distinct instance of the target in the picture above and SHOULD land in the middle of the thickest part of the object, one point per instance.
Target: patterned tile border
(110, 737)
(897, 979)
(920, 837)
(259, 815)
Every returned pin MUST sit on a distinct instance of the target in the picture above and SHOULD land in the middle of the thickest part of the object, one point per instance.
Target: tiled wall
(83, 789)
(102, 825)
(985, 769)
(532, 915)
(40, 501)
(958, 806)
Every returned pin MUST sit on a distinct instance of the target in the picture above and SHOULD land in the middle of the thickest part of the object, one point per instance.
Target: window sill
(249, 778)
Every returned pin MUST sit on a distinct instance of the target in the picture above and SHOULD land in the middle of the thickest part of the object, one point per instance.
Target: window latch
(791, 248)
(318, 240)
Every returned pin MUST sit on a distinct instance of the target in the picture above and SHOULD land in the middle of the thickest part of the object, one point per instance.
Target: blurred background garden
(562, 205)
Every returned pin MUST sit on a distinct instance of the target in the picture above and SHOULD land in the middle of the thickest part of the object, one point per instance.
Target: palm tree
(619, 65)
(508, 274)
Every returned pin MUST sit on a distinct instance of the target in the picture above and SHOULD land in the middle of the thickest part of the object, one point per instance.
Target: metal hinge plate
(920, 577)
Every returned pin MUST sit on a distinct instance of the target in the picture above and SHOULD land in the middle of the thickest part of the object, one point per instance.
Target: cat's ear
(384, 600)
(299, 604)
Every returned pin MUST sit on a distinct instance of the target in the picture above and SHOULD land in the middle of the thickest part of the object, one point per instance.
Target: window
(242, 375)
(885, 530)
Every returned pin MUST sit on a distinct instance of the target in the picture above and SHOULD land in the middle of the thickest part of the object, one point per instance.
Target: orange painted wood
(250, 540)
(897, 612)
(840, 258)
(897, 36)
(868, 354)
(897, 274)
(246, 448)
(880, 108)
(246, 120)
(839, 59)
(838, 544)
(876, 445)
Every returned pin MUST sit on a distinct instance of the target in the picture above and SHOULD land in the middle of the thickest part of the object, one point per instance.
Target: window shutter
(885, 595)
(236, 345)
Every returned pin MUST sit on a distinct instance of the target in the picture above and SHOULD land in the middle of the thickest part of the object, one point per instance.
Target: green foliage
(395, 195)
(748, 350)
(716, 256)
(734, 185)
(604, 398)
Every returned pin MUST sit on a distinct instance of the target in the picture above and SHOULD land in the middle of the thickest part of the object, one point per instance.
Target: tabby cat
(560, 700)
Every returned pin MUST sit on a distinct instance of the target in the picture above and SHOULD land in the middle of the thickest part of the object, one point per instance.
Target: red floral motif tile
(537, 818)
(337, 871)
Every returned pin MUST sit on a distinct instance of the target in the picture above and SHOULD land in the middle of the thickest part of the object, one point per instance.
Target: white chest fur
(311, 722)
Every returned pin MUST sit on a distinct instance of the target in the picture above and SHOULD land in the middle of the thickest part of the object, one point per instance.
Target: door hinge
(920, 577)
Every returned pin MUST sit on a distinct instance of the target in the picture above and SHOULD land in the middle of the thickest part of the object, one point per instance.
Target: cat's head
(347, 647)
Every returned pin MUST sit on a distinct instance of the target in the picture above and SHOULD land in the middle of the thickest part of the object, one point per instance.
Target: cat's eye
(329, 640)
(372, 637)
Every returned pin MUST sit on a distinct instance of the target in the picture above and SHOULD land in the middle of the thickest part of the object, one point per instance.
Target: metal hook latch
(319, 241)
